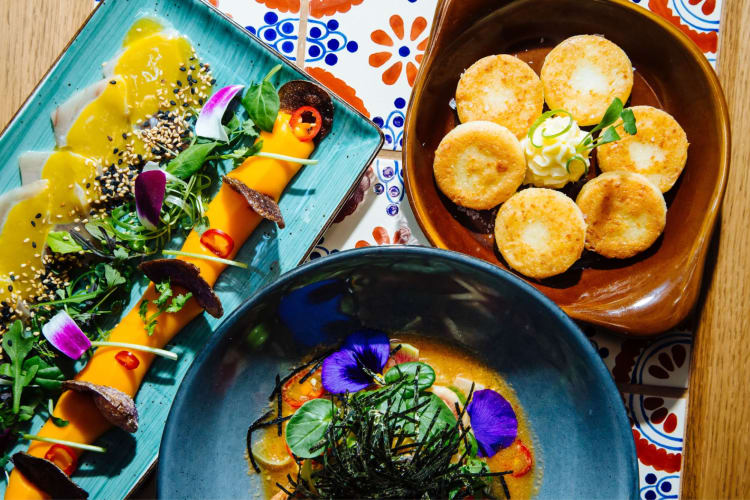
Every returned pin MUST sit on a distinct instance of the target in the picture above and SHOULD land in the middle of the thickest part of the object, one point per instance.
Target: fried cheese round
(501, 89)
(584, 74)
(479, 165)
(625, 213)
(657, 151)
(540, 232)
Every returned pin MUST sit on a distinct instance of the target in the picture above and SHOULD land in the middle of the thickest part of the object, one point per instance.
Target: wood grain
(32, 35)
(717, 459)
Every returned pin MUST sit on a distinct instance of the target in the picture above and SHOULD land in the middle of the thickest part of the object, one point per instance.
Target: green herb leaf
(112, 276)
(308, 427)
(143, 309)
(611, 115)
(59, 422)
(609, 135)
(444, 418)
(121, 253)
(628, 121)
(17, 346)
(62, 242)
(408, 371)
(165, 292)
(191, 159)
(261, 102)
(178, 302)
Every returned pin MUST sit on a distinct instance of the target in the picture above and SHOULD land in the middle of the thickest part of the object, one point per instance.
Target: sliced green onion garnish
(80, 446)
(292, 159)
(205, 257)
(577, 158)
(541, 119)
(570, 124)
(137, 347)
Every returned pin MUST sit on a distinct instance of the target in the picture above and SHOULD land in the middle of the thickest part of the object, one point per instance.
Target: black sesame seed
(33, 224)
(124, 135)
(184, 105)
(88, 185)
(182, 68)
(115, 150)
(113, 82)
(38, 216)
(109, 138)
(213, 80)
(33, 244)
(200, 101)
(192, 90)
(13, 277)
(155, 151)
(119, 162)
(192, 67)
(179, 83)
(172, 103)
(10, 288)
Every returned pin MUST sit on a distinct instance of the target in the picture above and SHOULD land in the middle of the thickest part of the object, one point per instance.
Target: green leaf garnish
(261, 102)
(62, 242)
(610, 116)
(308, 426)
(609, 135)
(17, 346)
(409, 371)
(628, 121)
(191, 159)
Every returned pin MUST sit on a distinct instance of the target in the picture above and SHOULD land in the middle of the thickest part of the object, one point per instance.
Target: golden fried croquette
(540, 232)
(479, 165)
(625, 213)
(658, 151)
(584, 74)
(502, 89)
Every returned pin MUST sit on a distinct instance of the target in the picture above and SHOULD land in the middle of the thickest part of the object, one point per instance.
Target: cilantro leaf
(62, 242)
(112, 276)
(165, 292)
(17, 346)
(628, 121)
(609, 135)
(611, 115)
(178, 302)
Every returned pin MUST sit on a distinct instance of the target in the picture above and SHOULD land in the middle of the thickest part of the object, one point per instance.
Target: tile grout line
(654, 390)
(304, 13)
(387, 154)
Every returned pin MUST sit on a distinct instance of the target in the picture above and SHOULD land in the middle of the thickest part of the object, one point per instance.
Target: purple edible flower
(150, 188)
(63, 333)
(209, 120)
(350, 369)
(493, 421)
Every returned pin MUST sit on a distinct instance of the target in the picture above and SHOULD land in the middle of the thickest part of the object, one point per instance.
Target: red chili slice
(62, 456)
(219, 242)
(306, 131)
(522, 462)
(127, 359)
(296, 394)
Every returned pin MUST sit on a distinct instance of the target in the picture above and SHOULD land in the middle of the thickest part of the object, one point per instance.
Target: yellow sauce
(448, 362)
(72, 179)
(142, 28)
(21, 244)
(98, 129)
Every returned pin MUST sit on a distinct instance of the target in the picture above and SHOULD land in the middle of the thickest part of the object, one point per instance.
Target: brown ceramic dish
(651, 292)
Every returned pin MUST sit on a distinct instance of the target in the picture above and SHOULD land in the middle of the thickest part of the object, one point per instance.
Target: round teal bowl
(583, 440)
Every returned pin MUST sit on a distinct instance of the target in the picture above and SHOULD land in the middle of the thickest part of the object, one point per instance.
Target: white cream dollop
(545, 166)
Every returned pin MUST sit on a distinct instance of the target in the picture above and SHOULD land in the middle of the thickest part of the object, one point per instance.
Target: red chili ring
(218, 242)
(312, 129)
(66, 453)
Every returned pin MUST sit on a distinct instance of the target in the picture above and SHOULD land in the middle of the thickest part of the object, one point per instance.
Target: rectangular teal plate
(308, 204)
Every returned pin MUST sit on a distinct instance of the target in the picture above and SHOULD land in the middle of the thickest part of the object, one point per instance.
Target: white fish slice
(65, 115)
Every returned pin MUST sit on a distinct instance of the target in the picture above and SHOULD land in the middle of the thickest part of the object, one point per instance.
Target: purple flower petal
(343, 370)
(341, 373)
(150, 188)
(63, 333)
(209, 119)
(493, 421)
(371, 346)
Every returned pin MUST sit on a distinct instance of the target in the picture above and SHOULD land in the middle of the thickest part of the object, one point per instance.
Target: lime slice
(269, 449)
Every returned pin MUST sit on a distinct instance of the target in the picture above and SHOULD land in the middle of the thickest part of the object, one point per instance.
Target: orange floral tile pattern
(708, 41)
(392, 73)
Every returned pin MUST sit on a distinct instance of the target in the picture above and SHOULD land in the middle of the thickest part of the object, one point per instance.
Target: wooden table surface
(717, 451)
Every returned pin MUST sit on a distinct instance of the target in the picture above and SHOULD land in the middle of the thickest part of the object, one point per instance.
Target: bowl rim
(171, 437)
(699, 249)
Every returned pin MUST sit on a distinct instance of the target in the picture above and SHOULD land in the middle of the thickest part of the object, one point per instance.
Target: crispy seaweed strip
(260, 203)
(296, 370)
(186, 275)
(394, 350)
(505, 486)
(312, 370)
(115, 406)
(288, 495)
(278, 405)
(297, 93)
(47, 476)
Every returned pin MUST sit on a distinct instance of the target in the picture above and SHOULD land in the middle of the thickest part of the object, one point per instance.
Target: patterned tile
(369, 54)
(658, 429)
(663, 361)
(698, 19)
(376, 214)
(278, 28)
